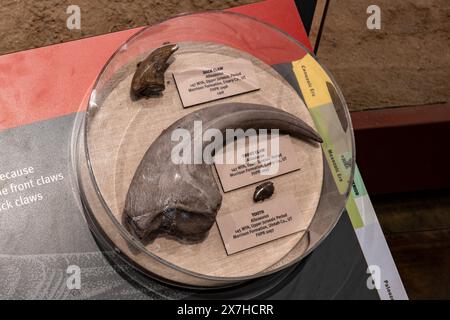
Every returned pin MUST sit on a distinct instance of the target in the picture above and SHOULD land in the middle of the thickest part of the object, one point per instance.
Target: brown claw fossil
(148, 80)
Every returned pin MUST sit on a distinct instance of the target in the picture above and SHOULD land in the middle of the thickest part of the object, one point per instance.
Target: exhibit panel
(118, 151)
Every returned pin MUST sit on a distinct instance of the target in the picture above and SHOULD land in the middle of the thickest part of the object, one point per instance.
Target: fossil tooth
(263, 191)
(148, 80)
(182, 200)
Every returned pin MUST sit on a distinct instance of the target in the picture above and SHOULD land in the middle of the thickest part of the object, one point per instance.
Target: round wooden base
(121, 130)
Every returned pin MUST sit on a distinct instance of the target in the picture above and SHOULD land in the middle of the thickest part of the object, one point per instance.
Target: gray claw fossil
(148, 80)
(182, 200)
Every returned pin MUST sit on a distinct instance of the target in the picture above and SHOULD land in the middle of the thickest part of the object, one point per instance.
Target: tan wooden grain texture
(121, 130)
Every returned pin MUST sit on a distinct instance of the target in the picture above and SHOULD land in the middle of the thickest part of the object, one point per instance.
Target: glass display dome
(116, 131)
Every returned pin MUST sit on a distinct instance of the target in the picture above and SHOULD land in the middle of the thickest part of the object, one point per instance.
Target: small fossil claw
(148, 80)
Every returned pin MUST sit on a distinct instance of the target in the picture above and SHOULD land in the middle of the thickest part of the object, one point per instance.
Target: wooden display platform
(121, 130)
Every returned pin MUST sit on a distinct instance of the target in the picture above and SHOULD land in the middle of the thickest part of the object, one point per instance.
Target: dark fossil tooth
(148, 80)
(263, 191)
(182, 200)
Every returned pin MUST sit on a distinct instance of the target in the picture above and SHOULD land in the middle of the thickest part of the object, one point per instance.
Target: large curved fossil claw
(182, 200)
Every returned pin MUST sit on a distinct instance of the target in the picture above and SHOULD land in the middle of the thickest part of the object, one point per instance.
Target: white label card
(203, 84)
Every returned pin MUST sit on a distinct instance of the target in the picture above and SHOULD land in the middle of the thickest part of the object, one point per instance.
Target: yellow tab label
(312, 80)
